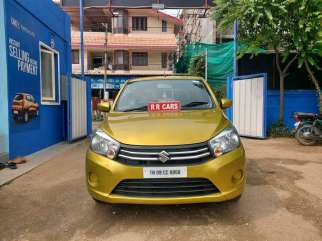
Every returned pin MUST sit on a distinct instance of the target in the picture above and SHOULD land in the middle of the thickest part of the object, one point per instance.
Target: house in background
(140, 42)
(198, 26)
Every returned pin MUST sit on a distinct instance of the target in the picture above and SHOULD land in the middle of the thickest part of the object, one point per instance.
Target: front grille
(150, 155)
(172, 187)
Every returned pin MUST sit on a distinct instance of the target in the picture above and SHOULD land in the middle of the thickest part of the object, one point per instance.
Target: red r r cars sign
(164, 106)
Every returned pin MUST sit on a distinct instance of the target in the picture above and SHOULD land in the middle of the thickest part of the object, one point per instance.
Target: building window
(49, 67)
(139, 23)
(140, 59)
(164, 60)
(120, 22)
(121, 60)
(75, 56)
(98, 62)
(164, 26)
(121, 57)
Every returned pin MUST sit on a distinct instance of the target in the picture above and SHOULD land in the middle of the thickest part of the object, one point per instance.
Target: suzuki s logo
(164, 156)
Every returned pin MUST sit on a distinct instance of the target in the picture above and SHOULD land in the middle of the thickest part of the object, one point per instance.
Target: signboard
(23, 66)
(164, 106)
(37, 50)
(112, 82)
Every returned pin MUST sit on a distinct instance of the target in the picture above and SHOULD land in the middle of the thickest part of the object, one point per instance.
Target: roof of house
(126, 41)
(166, 16)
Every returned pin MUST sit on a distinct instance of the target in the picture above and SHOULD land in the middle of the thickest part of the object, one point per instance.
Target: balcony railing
(99, 28)
(125, 67)
(128, 67)
(109, 67)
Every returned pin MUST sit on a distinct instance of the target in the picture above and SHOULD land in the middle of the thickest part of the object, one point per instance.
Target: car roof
(169, 77)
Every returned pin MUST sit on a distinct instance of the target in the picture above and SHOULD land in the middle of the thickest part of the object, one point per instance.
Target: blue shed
(35, 67)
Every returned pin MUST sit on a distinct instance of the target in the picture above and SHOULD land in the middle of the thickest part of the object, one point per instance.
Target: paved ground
(282, 201)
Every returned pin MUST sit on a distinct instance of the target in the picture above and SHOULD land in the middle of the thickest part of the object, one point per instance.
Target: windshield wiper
(144, 107)
(195, 103)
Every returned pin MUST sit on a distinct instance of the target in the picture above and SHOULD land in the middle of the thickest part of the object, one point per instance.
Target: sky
(172, 12)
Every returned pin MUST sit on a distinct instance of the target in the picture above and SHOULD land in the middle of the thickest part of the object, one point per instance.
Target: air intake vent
(174, 187)
(164, 155)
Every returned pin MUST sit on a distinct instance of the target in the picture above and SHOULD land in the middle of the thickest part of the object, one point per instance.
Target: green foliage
(220, 92)
(306, 30)
(261, 24)
(197, 66)
(288, 25)
(276, 130)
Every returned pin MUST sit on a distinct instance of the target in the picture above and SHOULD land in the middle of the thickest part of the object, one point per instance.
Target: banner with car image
(23, 66)
(24, 108)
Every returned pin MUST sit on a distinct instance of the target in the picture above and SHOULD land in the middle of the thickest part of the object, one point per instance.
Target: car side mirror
(225, 103)
(104, 107)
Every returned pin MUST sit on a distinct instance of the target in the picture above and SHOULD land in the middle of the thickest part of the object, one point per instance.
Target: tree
(197, 66)
(306, 35)
(264, 24)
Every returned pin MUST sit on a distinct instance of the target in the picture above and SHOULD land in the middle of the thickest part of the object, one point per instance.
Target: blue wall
(295, 101)
(31, 22)
(4, 126)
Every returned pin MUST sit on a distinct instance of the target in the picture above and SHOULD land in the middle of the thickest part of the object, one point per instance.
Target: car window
(18, 97)
(192, 94)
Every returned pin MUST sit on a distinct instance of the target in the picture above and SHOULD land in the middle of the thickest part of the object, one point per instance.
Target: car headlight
(224, 142)
(104, 145)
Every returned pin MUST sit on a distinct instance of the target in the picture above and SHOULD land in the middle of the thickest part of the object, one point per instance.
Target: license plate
(164, 172)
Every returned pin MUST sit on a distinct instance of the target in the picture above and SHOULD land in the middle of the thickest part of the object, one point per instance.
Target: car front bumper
(103, 175)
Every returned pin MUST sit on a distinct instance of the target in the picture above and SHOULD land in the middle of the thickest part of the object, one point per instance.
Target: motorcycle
(308, 128)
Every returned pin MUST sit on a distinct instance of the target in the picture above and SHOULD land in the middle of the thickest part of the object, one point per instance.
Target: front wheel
(303, 135)
(99, 202)
(26, 117)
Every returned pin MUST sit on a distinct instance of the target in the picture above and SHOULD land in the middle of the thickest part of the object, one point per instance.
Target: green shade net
(220, 61)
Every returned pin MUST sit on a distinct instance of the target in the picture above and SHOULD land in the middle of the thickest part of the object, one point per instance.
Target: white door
(249, 95)
(78, 109)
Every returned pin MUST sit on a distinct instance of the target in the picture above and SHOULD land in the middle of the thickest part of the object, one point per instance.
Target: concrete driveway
(282, 201)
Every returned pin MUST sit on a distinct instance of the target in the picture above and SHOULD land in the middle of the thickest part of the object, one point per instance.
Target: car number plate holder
(165, 172)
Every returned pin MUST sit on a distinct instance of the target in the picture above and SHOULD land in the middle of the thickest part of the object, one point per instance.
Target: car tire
(235, 199)
(26, 117)
(302, 140)
(99, 202)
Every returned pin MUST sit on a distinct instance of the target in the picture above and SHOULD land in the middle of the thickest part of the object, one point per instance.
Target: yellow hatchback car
(166, 140)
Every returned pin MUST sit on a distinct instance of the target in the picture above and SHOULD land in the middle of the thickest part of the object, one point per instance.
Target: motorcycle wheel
(26, 117)
(299, 135)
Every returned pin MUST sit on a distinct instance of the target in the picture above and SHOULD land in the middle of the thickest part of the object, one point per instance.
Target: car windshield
(18, 97)
(192, 94)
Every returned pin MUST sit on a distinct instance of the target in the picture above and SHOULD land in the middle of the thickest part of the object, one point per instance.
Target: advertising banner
(38, 55)
(23, 69)
(112, 82)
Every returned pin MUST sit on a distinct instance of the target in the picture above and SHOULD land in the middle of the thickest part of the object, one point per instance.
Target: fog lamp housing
(237, 176)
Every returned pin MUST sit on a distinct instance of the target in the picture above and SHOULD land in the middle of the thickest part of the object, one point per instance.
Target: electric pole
(105, 58)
